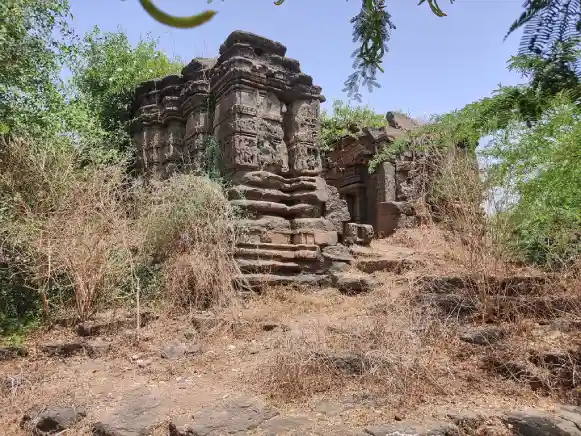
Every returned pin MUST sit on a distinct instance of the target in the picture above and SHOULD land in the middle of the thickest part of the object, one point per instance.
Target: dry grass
(88, 239)
(70, 222)
(402, 350)
(187, 222)
(357, 344)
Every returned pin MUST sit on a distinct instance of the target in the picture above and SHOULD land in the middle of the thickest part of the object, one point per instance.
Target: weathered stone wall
(383, 199)
(264, 113)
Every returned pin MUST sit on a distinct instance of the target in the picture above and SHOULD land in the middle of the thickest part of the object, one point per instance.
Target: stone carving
(264, 113)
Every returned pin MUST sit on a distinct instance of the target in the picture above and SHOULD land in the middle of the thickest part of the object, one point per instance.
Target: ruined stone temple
(264, 113)
(381, 199)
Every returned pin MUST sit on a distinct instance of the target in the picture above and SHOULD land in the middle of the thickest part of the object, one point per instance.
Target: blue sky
(434, 64)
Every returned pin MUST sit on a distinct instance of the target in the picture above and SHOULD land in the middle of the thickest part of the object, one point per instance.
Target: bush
(106, 70)
(346, 120)
(540, 167)
(70, 221)
(188, 224)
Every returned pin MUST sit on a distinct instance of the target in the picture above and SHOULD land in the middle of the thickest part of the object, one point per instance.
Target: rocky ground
(405, 343)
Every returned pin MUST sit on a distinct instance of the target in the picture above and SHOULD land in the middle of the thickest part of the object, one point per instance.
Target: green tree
(106, 71)
(34, 40)
(546, 23)
(540, 166)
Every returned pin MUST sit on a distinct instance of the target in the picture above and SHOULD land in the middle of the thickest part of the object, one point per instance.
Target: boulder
(412, 428)
(238, 416)
(139, 412)
(352, 283)
(337, 253)
(565, 421)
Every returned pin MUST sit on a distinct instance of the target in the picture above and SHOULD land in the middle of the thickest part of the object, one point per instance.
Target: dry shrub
(480, 284)
(450, 195)
(86, 239)
(399, 357)
(84, 231)
(188, 223)
(449, 189)
(69, 220)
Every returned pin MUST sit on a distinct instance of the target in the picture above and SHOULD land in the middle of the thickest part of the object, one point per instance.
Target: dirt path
(288, 362)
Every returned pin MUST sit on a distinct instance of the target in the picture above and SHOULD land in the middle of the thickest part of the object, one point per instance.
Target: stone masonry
(264, 113)
(383, 199)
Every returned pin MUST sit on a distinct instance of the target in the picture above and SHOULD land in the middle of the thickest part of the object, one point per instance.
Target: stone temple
(264, 113)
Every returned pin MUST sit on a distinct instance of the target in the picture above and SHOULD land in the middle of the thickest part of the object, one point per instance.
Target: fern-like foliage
(371, 31)
(547, 23)
(372, 28)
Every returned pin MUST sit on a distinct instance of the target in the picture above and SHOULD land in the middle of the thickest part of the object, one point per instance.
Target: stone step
(278, 209)
(261, 281)
(278, 247)
(396, 265)
(249, 266)
(280, 255)
(279, 252)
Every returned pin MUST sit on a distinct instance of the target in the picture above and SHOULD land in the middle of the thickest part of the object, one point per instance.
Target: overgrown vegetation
(78, 233)
(105, 71)
(531, 153)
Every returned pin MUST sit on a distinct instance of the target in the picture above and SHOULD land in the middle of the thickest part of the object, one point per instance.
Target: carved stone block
(361, 234)
(305, 159)
(302, 122)
(273, 156)
(241, 152)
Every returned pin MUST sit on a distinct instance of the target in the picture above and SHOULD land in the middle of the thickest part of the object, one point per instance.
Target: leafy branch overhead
(371, 31)
(546, 23)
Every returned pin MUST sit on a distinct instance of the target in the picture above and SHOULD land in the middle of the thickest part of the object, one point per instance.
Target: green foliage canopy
(34, 38)
(106, 70)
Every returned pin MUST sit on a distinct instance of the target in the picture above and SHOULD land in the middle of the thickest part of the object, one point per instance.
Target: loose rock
(12, 352)
(337, 253)
(63, 349)
(237, 417)
(484, 335)
(352, 283)
(53, 420)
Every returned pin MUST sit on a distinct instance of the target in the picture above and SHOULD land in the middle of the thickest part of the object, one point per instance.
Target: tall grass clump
(188, 225)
